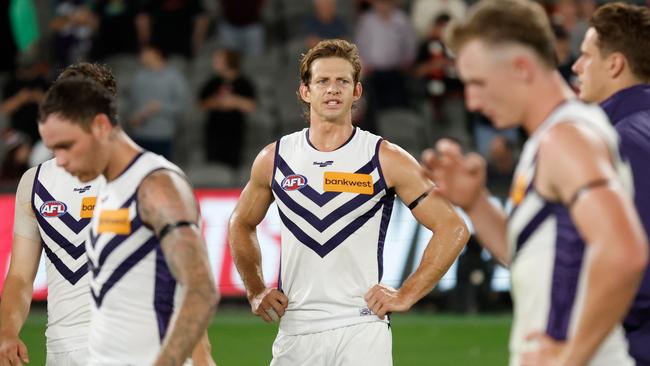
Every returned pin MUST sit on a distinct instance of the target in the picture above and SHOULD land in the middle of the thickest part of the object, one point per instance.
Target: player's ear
(101, 126)
(521, 66)
(616, 64)
(304, 93)
(358, 90)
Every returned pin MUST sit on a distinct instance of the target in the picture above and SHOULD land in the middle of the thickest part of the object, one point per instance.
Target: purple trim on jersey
(354, 132)
(533, 225)
(569, 253)
(336, 240)
(383, 228)
(327, 221)
(119, 272)
(375, 162)
(71, 276)
(34, 208)
(318, 198)
(75, 225)
(138, 156)
(629, 111)
(165, 288)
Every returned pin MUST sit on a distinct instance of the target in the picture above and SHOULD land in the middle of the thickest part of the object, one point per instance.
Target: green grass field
(240, 339)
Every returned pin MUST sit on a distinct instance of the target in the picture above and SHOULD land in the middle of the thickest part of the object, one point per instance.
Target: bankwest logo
(53, 209)
(114, 221)
(348, 182)
(87, 207)
(294, 182)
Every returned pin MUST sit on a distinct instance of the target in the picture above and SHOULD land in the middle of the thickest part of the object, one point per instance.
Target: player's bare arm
(461, 179)
(17, 294)
(251, 208)
(165, 198)
(605, 217)
(202, 354)
(404, 174)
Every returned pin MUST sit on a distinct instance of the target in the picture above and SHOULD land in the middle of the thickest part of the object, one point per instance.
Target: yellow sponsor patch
(348, 182)
(518, 189)
(115, 221)
(87, 207)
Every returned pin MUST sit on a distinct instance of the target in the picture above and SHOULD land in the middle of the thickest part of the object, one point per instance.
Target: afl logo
(53, 209)
(294, 182)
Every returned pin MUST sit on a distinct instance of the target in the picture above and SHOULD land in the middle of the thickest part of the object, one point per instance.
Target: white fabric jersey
(133, 291)
(547, 251)
(335, 208)
(63, 207)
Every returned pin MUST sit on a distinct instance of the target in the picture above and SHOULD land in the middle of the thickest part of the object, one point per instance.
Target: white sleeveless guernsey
(63, 207)
(547, 250)
(133, 291)
(335, 208)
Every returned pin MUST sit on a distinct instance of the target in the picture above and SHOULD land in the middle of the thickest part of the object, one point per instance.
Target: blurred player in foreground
(334, 185)
(143, 235)
(573, 241)
(614, 70)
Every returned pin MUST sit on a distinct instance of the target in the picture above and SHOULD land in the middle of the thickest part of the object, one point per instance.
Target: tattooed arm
(165, 198)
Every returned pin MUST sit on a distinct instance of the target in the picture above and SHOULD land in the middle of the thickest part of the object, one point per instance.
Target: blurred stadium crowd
(208, 83)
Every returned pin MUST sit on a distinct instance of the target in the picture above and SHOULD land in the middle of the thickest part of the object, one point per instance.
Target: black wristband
(169, 227)
(414, 204)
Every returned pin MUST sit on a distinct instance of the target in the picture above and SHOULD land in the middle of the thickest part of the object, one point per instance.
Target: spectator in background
(16, 159)
(227, 97)
(72, 27)
(179, 27)
(501, 166)
(115, 28)
(241, 28)
(324, 23)
(435, 67)
(423, 11)
(387, 46)
(565, 57)
(8, 46)
(22, 93)
(157, 100)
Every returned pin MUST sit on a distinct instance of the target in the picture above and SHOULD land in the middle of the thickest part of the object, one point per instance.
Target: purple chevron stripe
(66, 218)
(318, 198)
(318, 224)
(383, 228)
(336, 240)
(533, 225)
(71, 276)
(73, 250)
(114, 243)
(165, 288)
(124, 268)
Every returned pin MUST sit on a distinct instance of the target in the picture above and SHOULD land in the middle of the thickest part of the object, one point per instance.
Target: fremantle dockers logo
(53, 209)
(294, 182)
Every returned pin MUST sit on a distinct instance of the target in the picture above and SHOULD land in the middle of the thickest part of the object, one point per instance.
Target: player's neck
(549, 95)
(329, 136)
(122, 153)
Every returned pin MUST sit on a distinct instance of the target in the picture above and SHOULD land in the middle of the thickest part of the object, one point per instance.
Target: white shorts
(356, 345)
(77, 357)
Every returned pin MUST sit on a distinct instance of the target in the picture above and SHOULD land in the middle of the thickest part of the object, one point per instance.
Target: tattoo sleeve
(166, 198)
